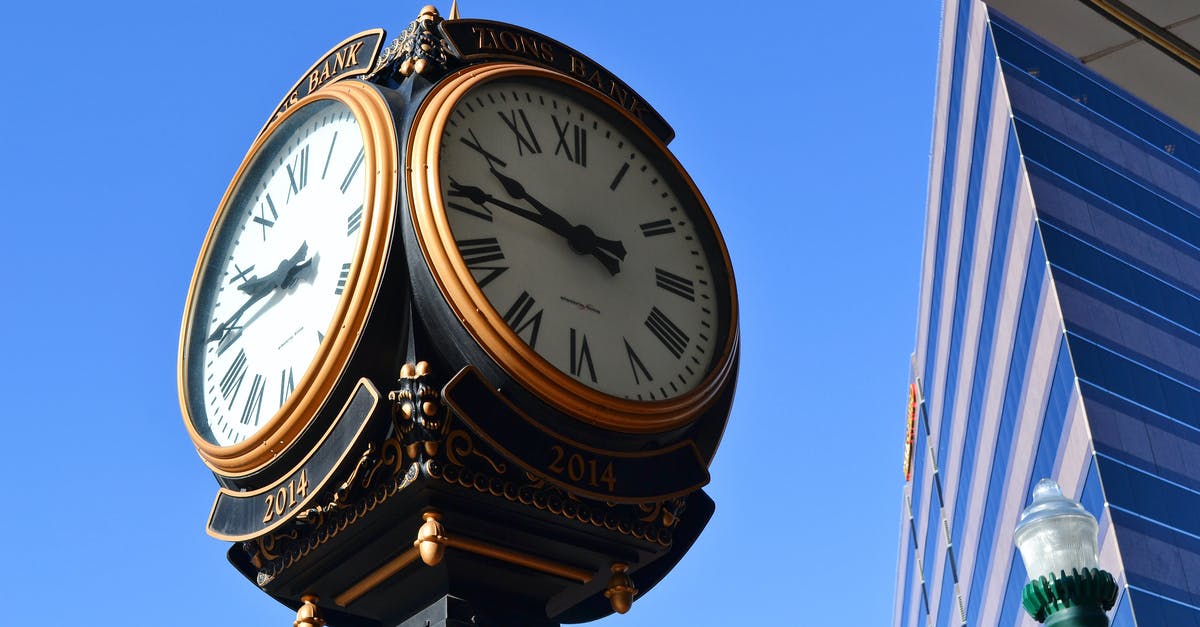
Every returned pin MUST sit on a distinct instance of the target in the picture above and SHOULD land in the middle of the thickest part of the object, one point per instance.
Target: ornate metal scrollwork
(266, 547)
(417, 412)
(419, 49)
(427, 442)
(360, 479)
(460, 445)
(664, 513)
(358, 483)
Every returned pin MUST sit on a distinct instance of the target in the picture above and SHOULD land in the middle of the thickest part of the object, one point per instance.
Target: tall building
(1059, 331)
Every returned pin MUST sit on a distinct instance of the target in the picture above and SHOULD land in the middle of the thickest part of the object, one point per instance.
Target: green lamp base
(1076, 600)
(1078, 616)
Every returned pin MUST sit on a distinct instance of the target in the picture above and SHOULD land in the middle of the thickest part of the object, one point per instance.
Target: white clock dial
(583, 238)
(275, 273)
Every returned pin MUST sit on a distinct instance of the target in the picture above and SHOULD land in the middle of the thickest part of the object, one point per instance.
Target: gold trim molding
(378, 576)
(349, 319)
(430, 547)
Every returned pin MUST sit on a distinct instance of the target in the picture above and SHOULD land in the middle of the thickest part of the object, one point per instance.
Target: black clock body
(530, 407)
(454, 332)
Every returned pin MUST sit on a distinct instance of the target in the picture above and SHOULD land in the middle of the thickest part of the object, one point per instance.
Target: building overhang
(1150, 48)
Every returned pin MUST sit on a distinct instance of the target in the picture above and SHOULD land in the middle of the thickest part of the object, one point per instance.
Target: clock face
(276, 266)
(589, 245)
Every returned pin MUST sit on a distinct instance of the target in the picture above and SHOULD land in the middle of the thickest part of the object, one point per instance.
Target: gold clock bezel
(486, 325)
(380, 167)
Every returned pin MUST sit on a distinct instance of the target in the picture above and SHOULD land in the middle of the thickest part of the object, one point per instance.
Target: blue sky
(805, 125)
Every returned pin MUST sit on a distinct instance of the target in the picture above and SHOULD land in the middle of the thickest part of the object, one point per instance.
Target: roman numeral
(287, 383)
(576, 152)
(635, 364)
(343, 276)
(253, 408)
(518, 318)
(675, 284)
(479, 255)
(298, 176)
(353, 221)
(525, 140)
(657, 227)
(232, 381)
(617, 179)
(358, 160)
(329, 156)
(262, 218)
(667, 332)
(581, 355)
(241, 274)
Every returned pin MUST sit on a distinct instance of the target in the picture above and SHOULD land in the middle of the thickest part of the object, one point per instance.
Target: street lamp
(1057, 540)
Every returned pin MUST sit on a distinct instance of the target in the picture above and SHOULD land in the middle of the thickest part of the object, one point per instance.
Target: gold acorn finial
(453, 10)
(620, 591)
(431, 538)
(309, 615)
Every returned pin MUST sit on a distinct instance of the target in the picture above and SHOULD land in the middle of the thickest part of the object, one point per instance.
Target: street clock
(460, 291)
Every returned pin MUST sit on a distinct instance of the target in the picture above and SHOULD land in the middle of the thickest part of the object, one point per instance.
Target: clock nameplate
(608, 476)
(238, 516)
(485, 39)
(353, 57)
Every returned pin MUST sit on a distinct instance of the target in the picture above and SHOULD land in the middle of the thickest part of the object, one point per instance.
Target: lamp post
(1057, 540)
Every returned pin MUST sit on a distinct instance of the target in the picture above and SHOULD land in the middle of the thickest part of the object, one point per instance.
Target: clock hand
(581, 238)
(285, 275)
(481, 198)
(544, 217)
(228, 331)
(477, 147)
(281, 274)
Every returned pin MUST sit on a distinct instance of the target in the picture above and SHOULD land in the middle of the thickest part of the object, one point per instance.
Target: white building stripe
(988, 211)
(1030, 412)
(936, 165)
(1013, 281)
(968, 104)
(902, 555)
(968, 108)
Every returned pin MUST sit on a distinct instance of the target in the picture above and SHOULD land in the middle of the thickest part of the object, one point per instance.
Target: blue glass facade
(1059, 333)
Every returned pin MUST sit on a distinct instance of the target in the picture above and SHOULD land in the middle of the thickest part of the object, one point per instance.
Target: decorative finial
(309, 615)
(620, 591)
(419, 49)
(453, 10)
(429, 13)
(431, 538)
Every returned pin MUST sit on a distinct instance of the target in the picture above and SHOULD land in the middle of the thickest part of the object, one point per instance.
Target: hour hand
(258, 287)
(582, 239)
(280, 275)
(610, 253)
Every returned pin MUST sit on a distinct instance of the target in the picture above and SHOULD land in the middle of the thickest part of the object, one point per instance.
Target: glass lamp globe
(1055, 534)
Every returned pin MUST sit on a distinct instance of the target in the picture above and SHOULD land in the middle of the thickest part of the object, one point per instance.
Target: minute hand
(581, 238)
